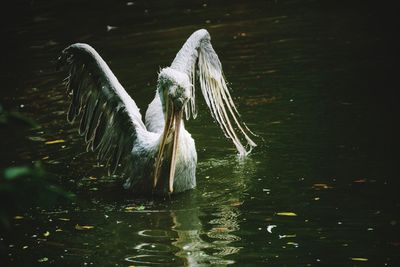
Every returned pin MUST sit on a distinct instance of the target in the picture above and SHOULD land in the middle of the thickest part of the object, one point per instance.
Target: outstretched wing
(198, 49)
(109, 118)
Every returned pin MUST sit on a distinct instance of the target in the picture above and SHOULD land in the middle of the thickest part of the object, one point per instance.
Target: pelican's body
(158, 155)
(145, 151)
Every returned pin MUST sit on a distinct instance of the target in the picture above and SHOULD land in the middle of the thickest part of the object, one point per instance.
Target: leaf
(286, 213)
(15, 172)
(359, 259)
(83, 227)
(64, 219)
(46, 234)
(270, 227)
(43, 259)
(55, 142)
(321, 186)
(287, 236)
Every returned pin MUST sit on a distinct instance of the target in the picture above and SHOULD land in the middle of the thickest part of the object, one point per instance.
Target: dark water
(313, 80)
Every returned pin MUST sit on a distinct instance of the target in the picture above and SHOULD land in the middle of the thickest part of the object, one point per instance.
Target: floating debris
(58, 141)
(270, 227)
(321, 186)
(110, 28)
(83, 227)
(359, 259)
(287, 236)
(293, 244)
(44, 259)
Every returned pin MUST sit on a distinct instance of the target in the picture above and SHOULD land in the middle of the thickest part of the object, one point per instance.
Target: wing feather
(197, 58)
(109, 117)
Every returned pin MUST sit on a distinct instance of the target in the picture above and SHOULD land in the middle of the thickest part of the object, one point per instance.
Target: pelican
(157, 155)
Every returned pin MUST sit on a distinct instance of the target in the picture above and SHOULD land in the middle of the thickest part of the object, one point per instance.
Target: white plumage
(158, 155)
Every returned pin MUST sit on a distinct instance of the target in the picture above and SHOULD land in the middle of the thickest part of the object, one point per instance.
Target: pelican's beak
(171, 128)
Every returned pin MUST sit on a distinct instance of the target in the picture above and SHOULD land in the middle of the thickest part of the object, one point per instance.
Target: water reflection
(223, 230)
(194, 249)
(199, 227)
(188, 242)
(189, 230)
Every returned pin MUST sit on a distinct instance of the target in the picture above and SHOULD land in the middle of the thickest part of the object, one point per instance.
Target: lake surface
(312, 80)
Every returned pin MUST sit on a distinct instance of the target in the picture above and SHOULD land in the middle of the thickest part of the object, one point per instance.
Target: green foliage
(26, 187)
(15, 172)
(11, 118)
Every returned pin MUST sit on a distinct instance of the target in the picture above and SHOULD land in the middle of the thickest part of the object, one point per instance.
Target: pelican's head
(175, 86)
(175, 90)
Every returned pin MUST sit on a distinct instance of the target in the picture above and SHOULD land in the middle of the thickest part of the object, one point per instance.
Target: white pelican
(159, 155)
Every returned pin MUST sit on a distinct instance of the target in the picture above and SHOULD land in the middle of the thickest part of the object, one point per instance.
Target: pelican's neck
(185, 62)
(186, 58)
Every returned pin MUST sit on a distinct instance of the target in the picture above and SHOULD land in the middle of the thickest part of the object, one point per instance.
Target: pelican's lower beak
(171, 130)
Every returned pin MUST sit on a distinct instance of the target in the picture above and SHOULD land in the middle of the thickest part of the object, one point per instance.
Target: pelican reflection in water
(157, 155)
